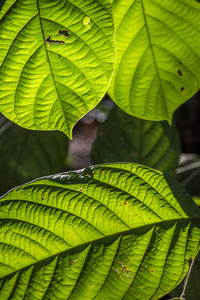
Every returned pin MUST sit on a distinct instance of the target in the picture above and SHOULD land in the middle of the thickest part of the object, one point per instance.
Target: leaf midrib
(154, 59)
(48, 59)
(189, 219)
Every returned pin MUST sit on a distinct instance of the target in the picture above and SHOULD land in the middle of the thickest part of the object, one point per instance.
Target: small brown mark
(81, 189)
(73, 261)
(180, 72)
(190, 259)
(142, 268)
(182, 89)
(152, 271)
(50, 41)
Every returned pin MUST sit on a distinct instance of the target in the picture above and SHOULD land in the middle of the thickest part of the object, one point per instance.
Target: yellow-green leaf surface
(115, 231)
(26, 154)
(126, 138)
(54, 65)
(158, 50)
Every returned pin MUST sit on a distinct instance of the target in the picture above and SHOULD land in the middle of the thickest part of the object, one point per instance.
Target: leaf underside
(126, 138)
(26, 154)
(107, 232)
(54, 68)
(158, 50)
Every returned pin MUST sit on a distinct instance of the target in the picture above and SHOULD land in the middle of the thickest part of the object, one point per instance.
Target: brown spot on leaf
(50, 41)
(182, 89)
(73, 261)
(180, 72)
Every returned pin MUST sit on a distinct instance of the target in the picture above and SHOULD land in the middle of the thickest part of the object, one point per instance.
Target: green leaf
(115, 231)
(53, 68)
(158, 56)
(192, 291)
(26, 155)
(126, 138)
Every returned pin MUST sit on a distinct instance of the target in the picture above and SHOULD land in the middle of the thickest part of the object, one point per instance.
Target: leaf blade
(157, 60)
(72, 239)
(52, 63)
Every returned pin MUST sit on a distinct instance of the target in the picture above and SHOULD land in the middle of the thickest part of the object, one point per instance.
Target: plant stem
(182, 296)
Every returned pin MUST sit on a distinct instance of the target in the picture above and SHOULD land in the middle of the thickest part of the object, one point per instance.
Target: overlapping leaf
(126, 138)
(54, 66)
(118, 231)
(26, 155)
(158, 50)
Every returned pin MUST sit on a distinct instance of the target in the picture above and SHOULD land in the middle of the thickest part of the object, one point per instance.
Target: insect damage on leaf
(50, 41)
(64, 32)
(180, 72)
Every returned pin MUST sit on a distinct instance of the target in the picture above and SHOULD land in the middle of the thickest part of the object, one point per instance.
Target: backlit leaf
(158, 56)
(118, 231)
(54, 67)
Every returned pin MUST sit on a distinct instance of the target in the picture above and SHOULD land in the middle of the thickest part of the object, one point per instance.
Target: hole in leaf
(64, 32)
(50, 41)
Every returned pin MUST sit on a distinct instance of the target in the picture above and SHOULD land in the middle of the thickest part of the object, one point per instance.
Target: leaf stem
(182, 296)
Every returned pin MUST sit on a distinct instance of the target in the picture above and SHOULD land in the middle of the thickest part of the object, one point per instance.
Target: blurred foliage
(27, 155)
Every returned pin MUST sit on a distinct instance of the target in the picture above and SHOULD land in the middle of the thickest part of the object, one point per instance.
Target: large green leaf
(56, 60)
(26, 155)
(126, 138)
(158, 56)
(118, 231)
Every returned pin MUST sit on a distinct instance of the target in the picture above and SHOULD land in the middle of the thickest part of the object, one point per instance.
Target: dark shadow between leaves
(182, 196)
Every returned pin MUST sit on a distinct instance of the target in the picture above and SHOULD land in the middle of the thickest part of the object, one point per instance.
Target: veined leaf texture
(54, 67)
(157, 56)
(113, 231)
